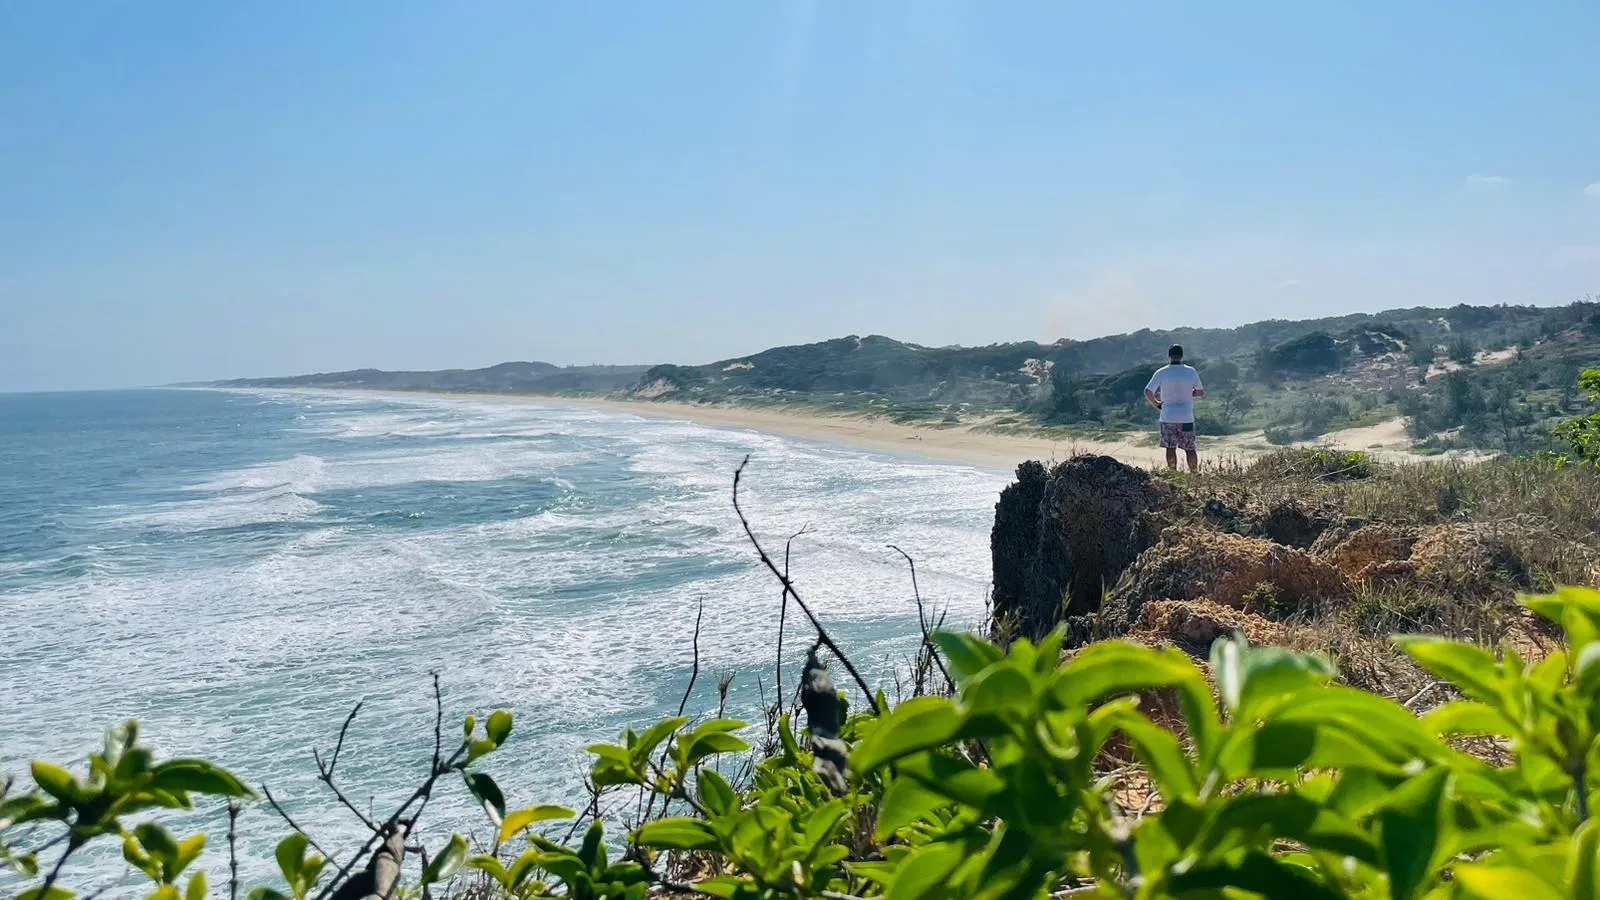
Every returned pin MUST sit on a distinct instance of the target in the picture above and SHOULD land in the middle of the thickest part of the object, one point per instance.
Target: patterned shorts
(1177, 436)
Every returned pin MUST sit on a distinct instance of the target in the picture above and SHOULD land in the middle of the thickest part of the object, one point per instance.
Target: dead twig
(788, 586)
(394, 828)
(233, 852)
(293, 824)
(783, 609)
(325, 772)
(922, 620)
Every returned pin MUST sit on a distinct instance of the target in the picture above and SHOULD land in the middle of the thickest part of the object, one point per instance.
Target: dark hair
(1176, 350)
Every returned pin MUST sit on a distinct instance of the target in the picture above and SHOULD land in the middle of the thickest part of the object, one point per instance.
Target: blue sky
(205, 190)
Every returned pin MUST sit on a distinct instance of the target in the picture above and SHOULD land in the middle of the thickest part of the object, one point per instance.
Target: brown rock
(1232, 571)
(1369, 553)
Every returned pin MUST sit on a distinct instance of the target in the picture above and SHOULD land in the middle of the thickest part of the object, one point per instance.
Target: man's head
(1175, 354)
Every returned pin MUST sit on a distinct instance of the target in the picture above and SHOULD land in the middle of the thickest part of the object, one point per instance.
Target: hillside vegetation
(1488, 378)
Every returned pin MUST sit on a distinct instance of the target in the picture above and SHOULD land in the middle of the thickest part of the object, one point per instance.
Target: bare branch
(438, 721)
(788, 586)
(233, 851)
(387, 830)
(325, 771)
(783, 608)
(293, 824)
(340, 745)
(694, 673)
(922, 618)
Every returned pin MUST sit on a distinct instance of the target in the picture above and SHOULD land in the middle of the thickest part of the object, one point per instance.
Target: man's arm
(1150, 398)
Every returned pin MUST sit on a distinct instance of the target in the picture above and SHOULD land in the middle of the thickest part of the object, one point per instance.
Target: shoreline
(962, 444)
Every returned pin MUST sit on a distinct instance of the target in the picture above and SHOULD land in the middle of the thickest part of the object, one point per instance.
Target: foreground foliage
(1265, 780)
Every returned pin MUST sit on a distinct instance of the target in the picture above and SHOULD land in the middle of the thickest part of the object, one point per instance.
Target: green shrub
(1273, 781)
(1582, 433)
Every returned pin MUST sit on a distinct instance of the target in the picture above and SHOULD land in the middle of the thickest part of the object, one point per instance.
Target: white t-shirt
(1174, 386)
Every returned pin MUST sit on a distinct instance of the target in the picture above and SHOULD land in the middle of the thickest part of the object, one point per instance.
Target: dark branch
(783, 610)
(922, 618)
(334, 761)
(694, 673)
(233, 851)
(788, 586)
(326, 777)
(295, 825)
(388, 829)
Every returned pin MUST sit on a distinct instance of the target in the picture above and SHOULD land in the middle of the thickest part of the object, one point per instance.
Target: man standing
(1173, 390)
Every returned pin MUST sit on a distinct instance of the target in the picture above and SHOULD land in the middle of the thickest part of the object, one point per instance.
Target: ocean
(236, 570)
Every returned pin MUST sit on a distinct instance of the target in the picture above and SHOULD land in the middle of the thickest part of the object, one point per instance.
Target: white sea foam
(251, 645)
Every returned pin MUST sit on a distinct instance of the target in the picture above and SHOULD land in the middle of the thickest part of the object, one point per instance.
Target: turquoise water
(236, 570)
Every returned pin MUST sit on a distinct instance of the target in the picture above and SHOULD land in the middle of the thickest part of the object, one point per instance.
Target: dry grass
(1549, 516)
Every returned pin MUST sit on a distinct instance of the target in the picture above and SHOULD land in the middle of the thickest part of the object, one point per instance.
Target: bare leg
(1194, 460)
(1172, 457)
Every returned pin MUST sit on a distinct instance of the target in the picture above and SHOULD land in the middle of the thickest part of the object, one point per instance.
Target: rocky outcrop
(1368, 554)
(1242, 573)
(1062, 536)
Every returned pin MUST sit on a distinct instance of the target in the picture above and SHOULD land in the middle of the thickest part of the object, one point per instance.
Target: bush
(1582, 433)
(1279, 783)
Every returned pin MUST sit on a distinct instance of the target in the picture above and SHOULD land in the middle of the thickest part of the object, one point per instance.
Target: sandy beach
(969, 444)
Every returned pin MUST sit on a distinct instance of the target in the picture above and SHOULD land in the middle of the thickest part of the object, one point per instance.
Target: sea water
(236, 570)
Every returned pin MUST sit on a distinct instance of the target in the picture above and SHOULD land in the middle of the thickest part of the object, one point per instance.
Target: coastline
(963, 444)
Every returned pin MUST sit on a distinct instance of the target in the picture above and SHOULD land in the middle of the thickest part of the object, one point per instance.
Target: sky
(209, 190)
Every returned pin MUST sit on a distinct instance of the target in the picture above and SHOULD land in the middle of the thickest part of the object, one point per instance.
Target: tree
(1582, 433)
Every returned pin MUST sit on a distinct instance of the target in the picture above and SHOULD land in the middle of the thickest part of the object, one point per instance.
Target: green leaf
(197, 887)
(160, 844)
(1257, 873)
(499, 727)
(998, 690)
(678, 833)
(1113, 668)
(57, 782)
(913, 726)
(1251, 819)
(479, 748)
(967, 654)
(1163, 755)
(715, 794)
(712, 744)
(492, 867)
(1499, 882)
(188, 851)
(593, 852)
(1470, 668)
(1468, 717)
(654, 735)
(1583, 863)
(200, 777)
(488, 794)
(904, 802)
(519, 819)
(467, 727)
(1249, 679)
(291, 855)
(266, 893)
(924, 872)
(56, 892)
(1409, 831)
(955, 779)
(448, 862)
